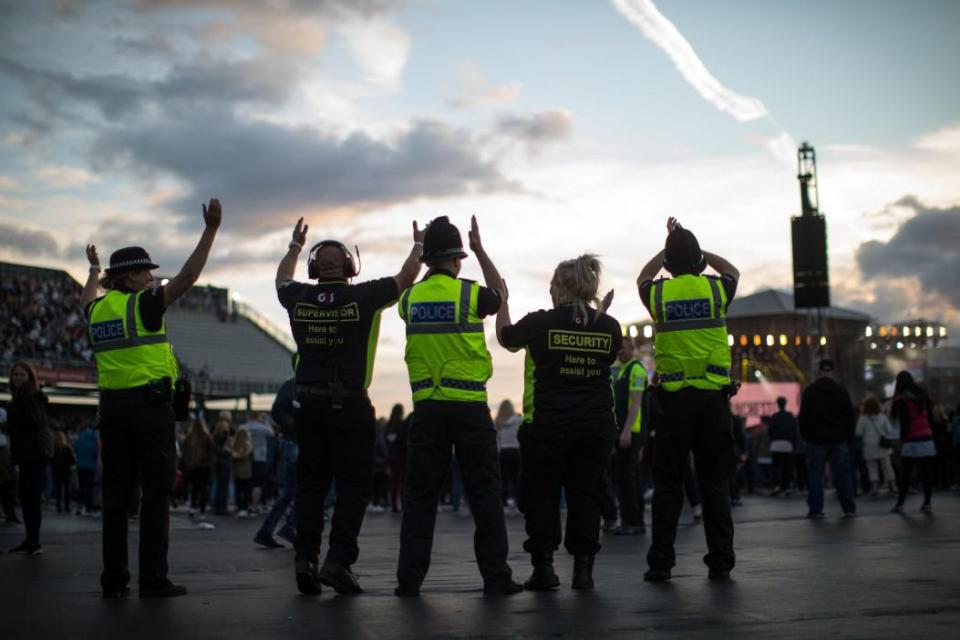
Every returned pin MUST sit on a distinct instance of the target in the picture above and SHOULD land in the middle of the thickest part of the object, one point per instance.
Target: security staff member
(628, 394)
(448, 364)
(693, 366)
(335, 325)
(568, 418)
(136, 370)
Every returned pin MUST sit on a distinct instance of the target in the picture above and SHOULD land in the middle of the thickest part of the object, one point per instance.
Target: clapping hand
(418, 233)
(92, 255)
(300, 232)
(475, 245)
(607, 301)
(673, 224)
(212, 213)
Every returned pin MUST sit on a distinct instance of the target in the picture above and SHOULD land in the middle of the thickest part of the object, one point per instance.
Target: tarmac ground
(879, 575)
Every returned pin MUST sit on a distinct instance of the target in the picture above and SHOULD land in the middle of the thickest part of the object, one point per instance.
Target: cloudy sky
(564, 126)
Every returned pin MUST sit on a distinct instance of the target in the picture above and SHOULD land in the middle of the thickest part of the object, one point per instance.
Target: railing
(265, 325)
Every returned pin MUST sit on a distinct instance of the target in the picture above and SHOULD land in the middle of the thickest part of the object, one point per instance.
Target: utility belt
(727, 390)
(157, 392)
(333, 390)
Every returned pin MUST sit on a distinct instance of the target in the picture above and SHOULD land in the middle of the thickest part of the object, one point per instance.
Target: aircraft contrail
(663, 33)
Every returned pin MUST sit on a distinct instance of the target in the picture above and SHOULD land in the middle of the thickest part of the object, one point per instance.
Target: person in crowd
(199, 457)
(261, 433)
(800, 463)
(284, 508)
(380, 487)
(396, 437)
(738, 425)
(874, 430)
(222, 440)
(693, 366)
(940, 425)
(628, 393)
(8, 475)
(827, 424)
(86, 446)
(507, 423)
(31, 446)
(762, 455)
(241, 454)
(449, 365)
(335, 324)
(911, 411)
(784, 432)
(569, 423)
(62, 467)
(136, 373)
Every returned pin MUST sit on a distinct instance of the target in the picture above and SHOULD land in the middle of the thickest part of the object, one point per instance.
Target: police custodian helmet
(682, 254)
(442, 241)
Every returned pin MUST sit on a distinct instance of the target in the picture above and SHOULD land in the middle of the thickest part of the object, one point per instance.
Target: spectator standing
(827, 423)
(380, 486)
(86, 447)
(284, 507)
(396, 437)
(8, 475)
(199, 457)
(875, 433)
(222, 440)
(507, 423)
(31, 446)
(911, 411)
(261, 432)
(783, 441)
(628, 393)
(241, 452)
(62, 467)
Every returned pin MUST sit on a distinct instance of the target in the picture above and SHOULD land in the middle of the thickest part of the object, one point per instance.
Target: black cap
(442, 241)
(825, 365)
(129, 259)
(682, 254)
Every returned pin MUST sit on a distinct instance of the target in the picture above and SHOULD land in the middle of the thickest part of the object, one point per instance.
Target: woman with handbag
(874, 430)
(911, 410)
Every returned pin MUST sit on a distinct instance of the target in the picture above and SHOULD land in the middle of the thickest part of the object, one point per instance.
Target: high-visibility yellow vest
(446, 354)
(127, 354)
(690, 340)
(631, 368)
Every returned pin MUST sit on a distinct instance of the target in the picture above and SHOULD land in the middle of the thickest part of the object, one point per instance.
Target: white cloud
(64, 177)
(8, 184)
(472, 91)
(945, 140)
(379, 48)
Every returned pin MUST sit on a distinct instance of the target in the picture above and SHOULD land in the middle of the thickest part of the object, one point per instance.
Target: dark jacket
(31, 439)
(826, 413)
(783, 426)
(282, 410)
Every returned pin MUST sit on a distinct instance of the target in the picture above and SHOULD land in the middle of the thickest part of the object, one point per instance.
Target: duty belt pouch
(158, 392)
(182, 390)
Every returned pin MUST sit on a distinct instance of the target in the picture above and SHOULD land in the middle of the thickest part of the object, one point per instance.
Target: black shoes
(28, 548)
(165, 590)
(656, 575)
(507, 588)
(543, 578)
(340, 578)
(405, 591)
(268, 541)
(308, 582)
(582, 573)
(719, 575)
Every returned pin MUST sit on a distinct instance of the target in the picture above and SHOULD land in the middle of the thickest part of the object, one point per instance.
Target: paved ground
(878, 576)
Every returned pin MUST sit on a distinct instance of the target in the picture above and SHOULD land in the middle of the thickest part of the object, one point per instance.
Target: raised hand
(212, 213)
(672, 224)
(300, 232)
(92, 255)
(475, 245)
(607, 301)
(418, 233)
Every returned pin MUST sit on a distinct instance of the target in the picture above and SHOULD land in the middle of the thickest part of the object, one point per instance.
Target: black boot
(543, 577)
(583, 573)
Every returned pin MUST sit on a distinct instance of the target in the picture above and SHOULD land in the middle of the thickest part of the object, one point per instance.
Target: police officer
(693, 367)
(136, 370)
(336, 325)
(448, 364)
(629, 389)
(568, 421)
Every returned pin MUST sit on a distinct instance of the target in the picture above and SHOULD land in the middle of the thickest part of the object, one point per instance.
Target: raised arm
(721, 265)
(192, 268)
(288, 264)
(93, 278)
(503, 315)
(491, 276)
(411, 266)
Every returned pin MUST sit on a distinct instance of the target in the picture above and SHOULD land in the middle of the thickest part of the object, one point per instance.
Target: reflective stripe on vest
(690, 342)
(446, 353)
(127, 353)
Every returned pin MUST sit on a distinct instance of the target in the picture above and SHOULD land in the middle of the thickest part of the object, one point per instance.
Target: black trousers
(510, 473)
(627, 466)
(783, 470)
(924, 467)
(336, 445)
(138, 440)
(698, 421)
(436, 427)
(198, 479)
(608, 493)
(570, 459)
(30, 491)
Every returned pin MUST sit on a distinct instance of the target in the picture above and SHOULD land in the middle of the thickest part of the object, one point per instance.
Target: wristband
(295, 244)
(94, 267)
(418, 243)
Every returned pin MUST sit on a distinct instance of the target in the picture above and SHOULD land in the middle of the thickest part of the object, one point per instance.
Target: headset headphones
(698, 268)
(351, 267)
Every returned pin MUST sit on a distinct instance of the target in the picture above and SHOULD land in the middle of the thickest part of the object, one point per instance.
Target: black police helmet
(682, 253)
(129, 259)
(442, 241)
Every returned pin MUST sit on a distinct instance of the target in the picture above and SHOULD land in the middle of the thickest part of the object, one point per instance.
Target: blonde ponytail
(576, 282)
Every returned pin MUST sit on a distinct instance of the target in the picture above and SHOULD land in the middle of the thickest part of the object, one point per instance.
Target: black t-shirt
(570, 373)
(727, 281)
(151, 308)
(335, 325)
(488, 300)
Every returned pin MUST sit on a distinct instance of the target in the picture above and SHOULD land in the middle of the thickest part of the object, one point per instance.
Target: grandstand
(225, 347)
